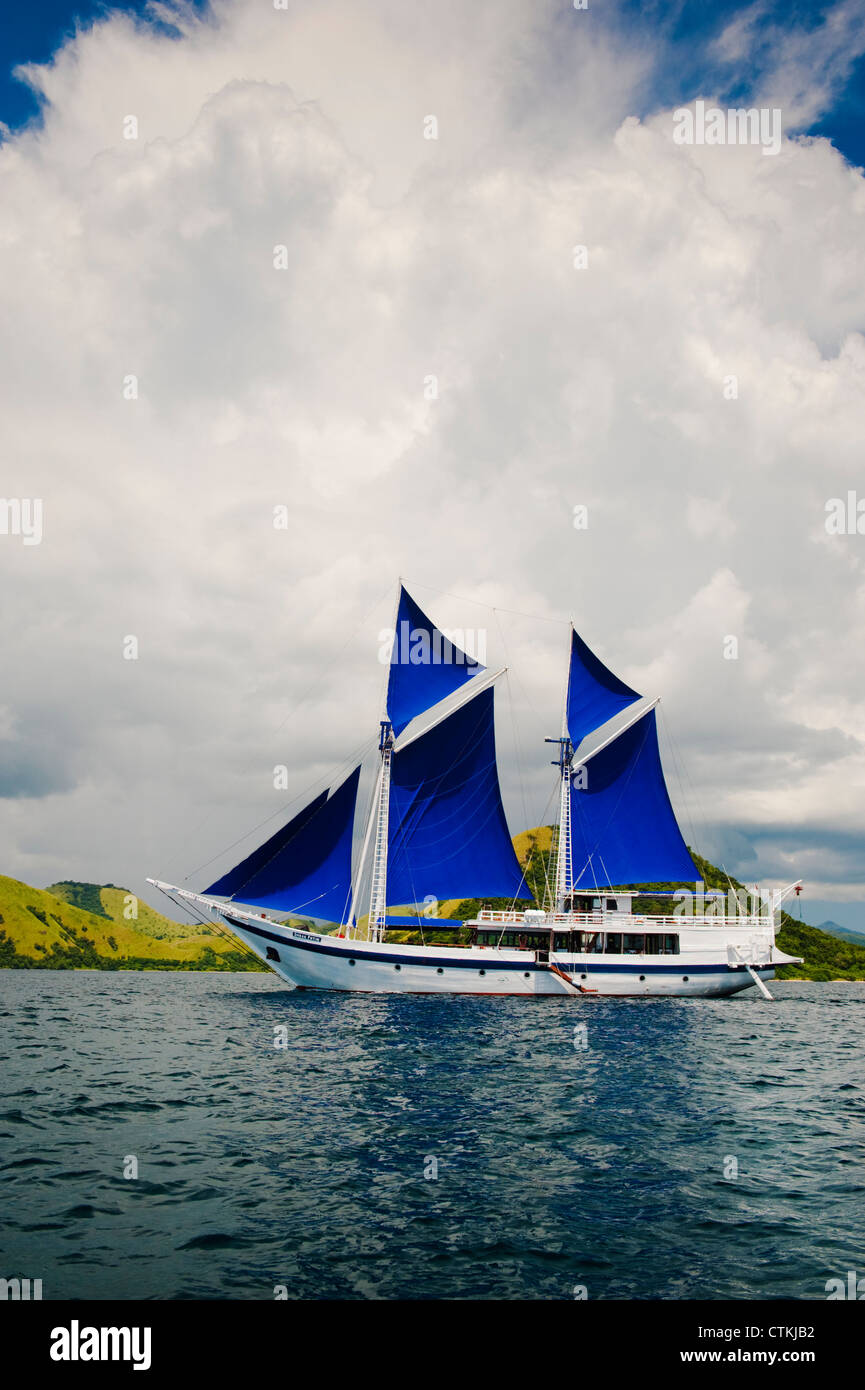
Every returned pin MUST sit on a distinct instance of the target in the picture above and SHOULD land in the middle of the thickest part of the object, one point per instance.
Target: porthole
(397, 967)
(526, 975)
(482, 972)
(685, 979)
(584, 977)
(642, 977)
(440, 971)
(352, 962)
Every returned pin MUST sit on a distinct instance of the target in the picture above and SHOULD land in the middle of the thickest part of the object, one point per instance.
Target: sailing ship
(436, 830)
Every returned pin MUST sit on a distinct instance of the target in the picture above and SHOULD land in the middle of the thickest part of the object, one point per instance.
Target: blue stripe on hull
(582, 967)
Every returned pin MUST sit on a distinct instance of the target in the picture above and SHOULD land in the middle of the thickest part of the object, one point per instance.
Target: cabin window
(613, 945)
(588, 941)
(498, 938)
(611, 904)
(532, 940)
(634, 944)
(272, 953)
(578, 904)
(527, 940)
(667, 945)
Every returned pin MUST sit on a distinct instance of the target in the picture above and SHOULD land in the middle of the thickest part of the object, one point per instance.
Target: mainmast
(377, 824)
(380, 812)
(425, 667)
(564, 869)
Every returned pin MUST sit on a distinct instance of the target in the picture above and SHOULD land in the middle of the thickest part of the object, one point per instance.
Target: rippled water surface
(305, 1166)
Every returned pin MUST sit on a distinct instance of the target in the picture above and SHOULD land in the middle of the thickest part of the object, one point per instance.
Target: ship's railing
(616, 920)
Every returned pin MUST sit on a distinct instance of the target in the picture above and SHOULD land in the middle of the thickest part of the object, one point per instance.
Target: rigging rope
(335, 776)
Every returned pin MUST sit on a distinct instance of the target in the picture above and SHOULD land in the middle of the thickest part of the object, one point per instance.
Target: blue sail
(448, 837)
(425, 666)
(623, 828)
(310, 873)
(237, 878)
(594, 693)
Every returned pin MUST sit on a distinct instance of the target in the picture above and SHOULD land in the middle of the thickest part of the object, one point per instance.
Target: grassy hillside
(41, 930)
(826, 957)
(110, 902)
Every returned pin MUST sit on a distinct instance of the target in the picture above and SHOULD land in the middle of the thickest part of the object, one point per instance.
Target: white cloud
(799, 67)
(408, 257)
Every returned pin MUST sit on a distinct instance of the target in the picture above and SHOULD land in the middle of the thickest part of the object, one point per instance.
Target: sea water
(221, 1136)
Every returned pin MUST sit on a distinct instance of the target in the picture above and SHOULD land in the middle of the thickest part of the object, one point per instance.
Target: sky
(328, 259)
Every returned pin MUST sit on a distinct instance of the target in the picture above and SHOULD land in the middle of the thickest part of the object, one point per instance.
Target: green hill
(112, 903)
(826, 957)
(45, 929)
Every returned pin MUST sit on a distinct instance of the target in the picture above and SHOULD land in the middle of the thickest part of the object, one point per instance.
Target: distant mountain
(43, 928)
(843, 933)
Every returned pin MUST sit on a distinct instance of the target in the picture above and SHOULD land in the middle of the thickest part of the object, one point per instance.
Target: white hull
(309, 961)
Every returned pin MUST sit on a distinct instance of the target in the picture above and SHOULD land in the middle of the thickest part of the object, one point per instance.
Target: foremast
(425, 668)
(381, 813)
(621, 828)
(564, 868)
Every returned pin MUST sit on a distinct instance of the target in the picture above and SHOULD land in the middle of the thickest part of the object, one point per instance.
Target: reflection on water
(311, 1166)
